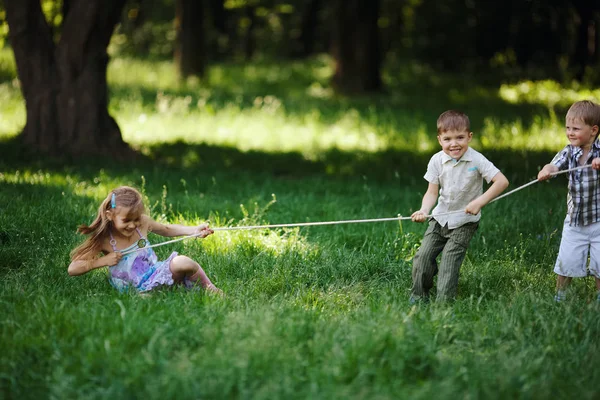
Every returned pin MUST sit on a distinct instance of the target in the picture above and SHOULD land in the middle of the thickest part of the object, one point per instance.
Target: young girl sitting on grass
(122, 226)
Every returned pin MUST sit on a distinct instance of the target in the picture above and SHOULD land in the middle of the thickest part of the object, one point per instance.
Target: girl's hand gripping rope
(112, 258)
(203, 231)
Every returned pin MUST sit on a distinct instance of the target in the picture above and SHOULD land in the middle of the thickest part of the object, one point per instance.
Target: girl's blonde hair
(124, 196)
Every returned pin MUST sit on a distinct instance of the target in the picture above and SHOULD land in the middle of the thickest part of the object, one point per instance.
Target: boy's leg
(562, 283)
(595, 255)
(572, 257)
(424, 262)
(452, 258)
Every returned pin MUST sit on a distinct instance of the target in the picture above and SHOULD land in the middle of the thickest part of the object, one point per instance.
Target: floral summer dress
(141, 269)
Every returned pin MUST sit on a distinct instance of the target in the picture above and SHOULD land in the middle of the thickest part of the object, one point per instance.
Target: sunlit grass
(548, 93)
(12, 110)
(540, 134)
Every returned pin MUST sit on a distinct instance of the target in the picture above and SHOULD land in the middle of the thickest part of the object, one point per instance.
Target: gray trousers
(452, 243)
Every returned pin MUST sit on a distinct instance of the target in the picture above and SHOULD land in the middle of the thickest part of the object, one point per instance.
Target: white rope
(537, 180)
(351, 221)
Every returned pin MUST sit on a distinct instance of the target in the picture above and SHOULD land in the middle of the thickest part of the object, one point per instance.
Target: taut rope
(351, 221)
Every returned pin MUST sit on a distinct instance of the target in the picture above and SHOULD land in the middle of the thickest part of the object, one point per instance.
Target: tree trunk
(249, 45)
(219, 15)
(585, 36)
(189, 52)
(521, 32)
(310, 20)
(218, 43)
(356, 46)
(64, 85)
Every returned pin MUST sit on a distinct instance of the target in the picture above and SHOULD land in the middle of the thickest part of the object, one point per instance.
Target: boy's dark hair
(586, 111)
(453, 120)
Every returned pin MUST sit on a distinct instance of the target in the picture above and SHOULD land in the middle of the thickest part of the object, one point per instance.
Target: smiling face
(455, 143)
(125, 220)
(580, 134)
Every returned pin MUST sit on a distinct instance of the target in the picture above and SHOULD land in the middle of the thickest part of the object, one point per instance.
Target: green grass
(317, 312)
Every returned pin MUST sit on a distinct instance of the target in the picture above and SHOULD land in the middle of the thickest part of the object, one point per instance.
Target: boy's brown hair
(586, 111)
(453, 120)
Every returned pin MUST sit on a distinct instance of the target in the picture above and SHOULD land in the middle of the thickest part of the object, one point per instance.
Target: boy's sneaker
(412, 300)
(560, 296)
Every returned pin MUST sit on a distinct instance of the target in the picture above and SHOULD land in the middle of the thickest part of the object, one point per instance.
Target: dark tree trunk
(492, 29)
(596, 44)
(218, 44)
(520, 32)
(66, 7)
(189, 51)
(64, 85)
(219, 15)
(249, 45)
(585, 37)
(310, 19)
(356, 46)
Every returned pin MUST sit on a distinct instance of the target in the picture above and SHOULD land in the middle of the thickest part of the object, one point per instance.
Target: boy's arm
(546, 172)
(499, 183)
(558, 163)
(429, 200)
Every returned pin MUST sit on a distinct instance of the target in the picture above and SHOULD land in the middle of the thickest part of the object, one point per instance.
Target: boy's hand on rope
(473, 207)
(419, 216)
(546, 172)
(596, 163)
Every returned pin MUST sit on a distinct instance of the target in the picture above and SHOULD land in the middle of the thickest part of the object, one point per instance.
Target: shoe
(560, 297)
(412, 300)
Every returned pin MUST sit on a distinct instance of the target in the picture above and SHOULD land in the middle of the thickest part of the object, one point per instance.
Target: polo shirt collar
(468, 156)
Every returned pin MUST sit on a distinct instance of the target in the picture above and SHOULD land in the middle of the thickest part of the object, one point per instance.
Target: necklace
(141, 243)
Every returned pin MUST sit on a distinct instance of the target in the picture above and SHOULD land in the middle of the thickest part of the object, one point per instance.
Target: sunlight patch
(549, 93)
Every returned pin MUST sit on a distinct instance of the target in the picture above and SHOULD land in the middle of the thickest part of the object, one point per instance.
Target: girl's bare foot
(212, 289)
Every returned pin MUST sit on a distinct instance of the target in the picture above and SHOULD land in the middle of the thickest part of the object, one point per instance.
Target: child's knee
(184, 264)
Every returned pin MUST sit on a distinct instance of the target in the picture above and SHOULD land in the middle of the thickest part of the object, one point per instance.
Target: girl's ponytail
(123, 196)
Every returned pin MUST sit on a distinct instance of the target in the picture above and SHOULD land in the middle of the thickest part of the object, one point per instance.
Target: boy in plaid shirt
(581, 229)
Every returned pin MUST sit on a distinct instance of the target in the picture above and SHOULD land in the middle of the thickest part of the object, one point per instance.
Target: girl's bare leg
(182, 267)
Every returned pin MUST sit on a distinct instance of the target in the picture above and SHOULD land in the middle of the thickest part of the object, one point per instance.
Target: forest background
(258, 112)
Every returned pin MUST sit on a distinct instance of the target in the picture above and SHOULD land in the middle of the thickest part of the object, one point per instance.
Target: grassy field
(317, 312)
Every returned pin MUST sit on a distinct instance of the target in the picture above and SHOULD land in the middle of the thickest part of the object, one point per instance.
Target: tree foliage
(61, 46)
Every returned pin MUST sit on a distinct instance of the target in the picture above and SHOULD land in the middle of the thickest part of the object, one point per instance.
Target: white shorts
(576, 244)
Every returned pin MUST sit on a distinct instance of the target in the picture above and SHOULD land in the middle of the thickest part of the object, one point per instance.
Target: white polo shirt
(460, 183)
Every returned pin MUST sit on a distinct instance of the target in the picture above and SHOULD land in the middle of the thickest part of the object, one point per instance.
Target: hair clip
(113, 201)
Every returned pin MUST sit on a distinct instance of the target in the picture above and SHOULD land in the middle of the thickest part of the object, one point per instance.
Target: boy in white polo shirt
(456, 173)
(581, 229)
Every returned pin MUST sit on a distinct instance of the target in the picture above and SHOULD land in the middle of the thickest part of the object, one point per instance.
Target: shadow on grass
(194, 159)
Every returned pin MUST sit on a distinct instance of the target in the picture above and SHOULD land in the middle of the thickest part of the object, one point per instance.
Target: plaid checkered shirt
(583, 198)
